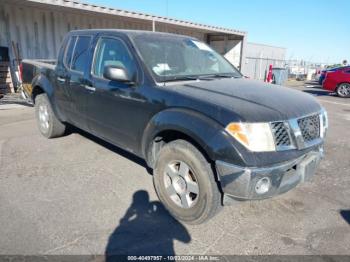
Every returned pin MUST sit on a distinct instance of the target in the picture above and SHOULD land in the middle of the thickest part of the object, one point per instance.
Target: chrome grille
(281, 134)
(310, 127)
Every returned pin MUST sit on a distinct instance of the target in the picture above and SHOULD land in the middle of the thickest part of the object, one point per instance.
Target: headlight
(256, 137)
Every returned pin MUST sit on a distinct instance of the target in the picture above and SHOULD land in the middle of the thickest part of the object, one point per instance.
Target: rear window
(81, 53)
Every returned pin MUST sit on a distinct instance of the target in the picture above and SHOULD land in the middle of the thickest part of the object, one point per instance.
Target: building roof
(74, 4)
(128, 32)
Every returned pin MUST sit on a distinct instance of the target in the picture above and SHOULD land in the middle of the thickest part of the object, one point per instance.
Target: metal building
(37, 27)
(258, 57)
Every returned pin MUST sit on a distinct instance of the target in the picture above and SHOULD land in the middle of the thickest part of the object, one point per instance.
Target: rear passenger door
(77, 68)
(63, 98)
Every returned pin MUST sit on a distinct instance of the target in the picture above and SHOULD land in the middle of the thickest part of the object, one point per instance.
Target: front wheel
(343, 90)
(48, 123)
(185, 183)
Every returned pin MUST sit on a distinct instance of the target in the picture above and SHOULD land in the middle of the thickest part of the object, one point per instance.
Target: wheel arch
(344, 82)
(168, 135)
(40, 85)
(172, 124)
(37, 90)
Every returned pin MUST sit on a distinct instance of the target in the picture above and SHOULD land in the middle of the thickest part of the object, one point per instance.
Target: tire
(48, 124)
(181, 170)
(343, 90)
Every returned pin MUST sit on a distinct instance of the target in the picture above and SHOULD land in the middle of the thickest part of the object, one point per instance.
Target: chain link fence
(257, 68)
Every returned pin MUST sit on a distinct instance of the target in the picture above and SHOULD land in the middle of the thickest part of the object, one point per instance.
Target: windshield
(171, 58)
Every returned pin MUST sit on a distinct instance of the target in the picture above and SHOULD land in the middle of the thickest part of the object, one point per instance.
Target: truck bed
(46, 63)
(32, 67)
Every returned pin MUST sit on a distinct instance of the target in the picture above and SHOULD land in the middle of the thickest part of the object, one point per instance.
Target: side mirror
(116, 73)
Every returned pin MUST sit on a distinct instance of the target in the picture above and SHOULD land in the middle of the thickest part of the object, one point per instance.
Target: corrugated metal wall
(39, 31)
(258, 57)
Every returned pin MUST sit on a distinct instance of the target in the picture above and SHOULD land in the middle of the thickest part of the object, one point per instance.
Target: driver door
(113, 106)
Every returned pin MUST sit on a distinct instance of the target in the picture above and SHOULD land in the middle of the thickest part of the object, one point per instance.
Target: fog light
(263, 185)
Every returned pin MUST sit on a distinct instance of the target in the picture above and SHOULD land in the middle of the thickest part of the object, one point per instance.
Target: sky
(312, 30)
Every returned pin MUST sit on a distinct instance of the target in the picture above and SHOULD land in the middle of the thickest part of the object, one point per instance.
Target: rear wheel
(48, 124)
(185, 183)
(343, 90)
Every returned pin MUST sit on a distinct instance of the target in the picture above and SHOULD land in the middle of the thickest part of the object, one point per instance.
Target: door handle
(61, 79)
(90, 88)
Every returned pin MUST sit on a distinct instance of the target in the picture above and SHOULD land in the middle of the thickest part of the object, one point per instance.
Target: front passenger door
(114, 107)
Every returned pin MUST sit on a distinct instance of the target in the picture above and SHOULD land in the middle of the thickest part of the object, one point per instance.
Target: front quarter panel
(206, 132)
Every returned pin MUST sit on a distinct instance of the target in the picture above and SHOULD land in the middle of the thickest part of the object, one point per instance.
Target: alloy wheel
(344, 90)
(44, 118)
(181, 184)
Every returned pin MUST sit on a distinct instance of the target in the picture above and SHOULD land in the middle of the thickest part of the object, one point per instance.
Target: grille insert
(281, 134)
(310, 127)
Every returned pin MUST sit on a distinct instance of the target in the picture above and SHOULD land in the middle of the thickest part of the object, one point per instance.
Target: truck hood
(251, 100)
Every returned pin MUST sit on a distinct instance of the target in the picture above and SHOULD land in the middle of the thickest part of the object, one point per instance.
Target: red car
(338, 81)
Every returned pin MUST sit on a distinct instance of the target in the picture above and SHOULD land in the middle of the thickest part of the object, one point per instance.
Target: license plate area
(307, 167)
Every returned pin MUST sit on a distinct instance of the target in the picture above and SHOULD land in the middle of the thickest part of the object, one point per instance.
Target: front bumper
(240, 183)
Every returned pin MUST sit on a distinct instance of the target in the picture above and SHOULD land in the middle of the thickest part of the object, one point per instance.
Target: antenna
(166, 30)
(165, 56)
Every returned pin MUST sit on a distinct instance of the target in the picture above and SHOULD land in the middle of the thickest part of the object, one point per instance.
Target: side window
(69, 51)
(112, 52)
(81, 53)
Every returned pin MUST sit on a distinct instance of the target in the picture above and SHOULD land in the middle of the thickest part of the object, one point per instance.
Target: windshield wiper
(182, 78)
(199, 77)
(218, 76)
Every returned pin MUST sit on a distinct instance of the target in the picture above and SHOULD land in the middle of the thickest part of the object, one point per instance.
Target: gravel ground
(79, 195)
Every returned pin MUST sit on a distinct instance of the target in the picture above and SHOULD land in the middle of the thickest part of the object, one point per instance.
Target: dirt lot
(79, 195)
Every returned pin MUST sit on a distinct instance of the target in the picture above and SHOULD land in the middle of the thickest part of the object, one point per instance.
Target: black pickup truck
(211, 136)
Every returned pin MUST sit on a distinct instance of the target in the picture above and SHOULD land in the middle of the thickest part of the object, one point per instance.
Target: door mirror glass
(116, 73)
